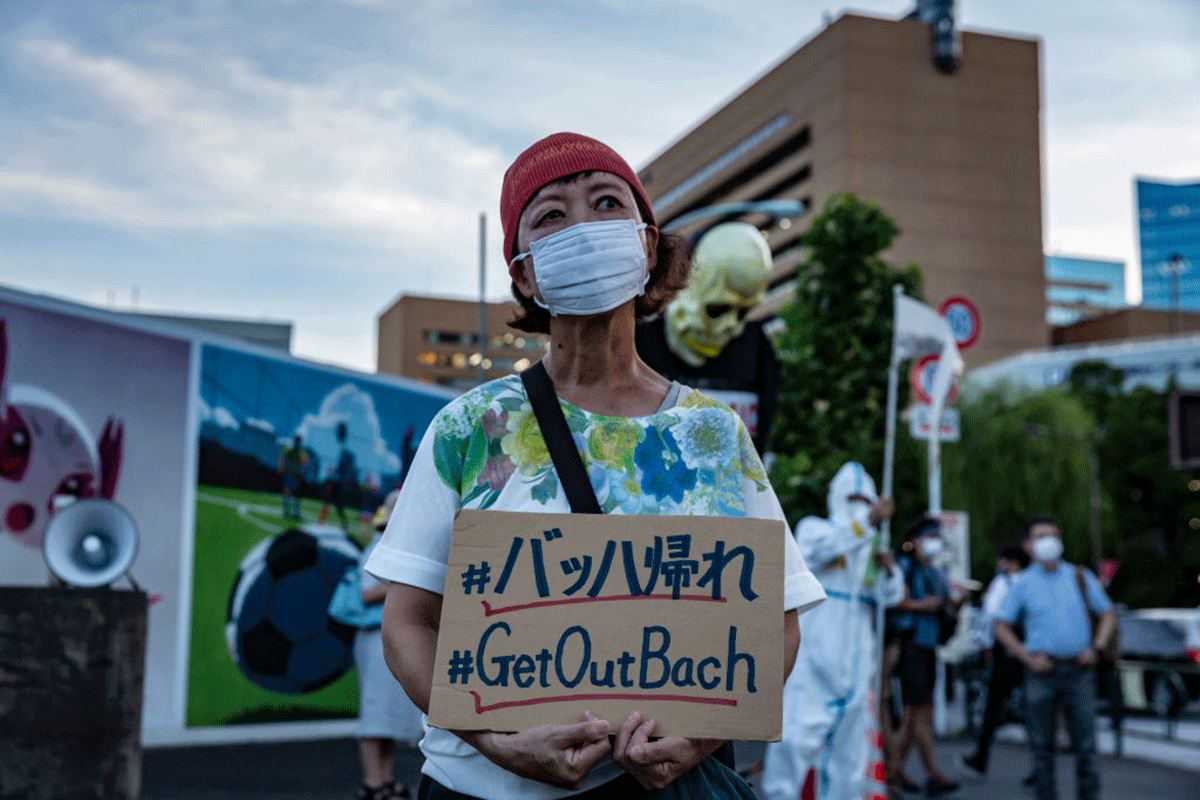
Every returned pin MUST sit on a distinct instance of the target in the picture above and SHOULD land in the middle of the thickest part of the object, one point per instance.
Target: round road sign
(963, 317)
(921, 380)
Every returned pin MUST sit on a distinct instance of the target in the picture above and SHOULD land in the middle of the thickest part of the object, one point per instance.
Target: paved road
(328, 770)
(1121, 779)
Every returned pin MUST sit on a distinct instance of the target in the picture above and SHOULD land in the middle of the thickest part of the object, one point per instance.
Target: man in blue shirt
(1060, 652)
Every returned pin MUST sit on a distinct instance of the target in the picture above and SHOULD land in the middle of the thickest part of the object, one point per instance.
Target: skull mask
(730, 271)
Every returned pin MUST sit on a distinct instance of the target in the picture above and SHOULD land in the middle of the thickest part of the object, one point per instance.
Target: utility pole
(482, 296)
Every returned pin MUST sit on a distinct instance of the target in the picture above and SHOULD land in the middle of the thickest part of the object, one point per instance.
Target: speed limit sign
(963, 318)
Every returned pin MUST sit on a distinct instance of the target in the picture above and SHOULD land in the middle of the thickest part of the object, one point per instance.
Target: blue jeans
(1073, 689)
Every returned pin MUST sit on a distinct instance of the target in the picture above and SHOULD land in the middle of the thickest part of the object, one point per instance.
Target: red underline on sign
(480, 708)
(488, 611)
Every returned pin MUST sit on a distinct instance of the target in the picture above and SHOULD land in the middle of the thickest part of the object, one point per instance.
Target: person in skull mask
(825, 708)
(703, 338)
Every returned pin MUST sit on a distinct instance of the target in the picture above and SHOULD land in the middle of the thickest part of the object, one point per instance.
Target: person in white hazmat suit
(825, 699)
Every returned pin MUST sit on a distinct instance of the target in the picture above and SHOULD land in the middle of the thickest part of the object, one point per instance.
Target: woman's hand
(654, 764)
(561, 755)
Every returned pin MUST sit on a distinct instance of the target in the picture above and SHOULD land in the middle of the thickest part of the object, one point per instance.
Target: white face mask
(589, 268)
(1047, 548)
(859, 511)
(932, 545)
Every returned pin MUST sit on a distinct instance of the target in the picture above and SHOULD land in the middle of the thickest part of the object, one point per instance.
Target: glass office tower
(1169, 234)
(1082, 287)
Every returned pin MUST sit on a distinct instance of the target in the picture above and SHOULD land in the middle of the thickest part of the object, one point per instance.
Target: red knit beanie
(556, 156)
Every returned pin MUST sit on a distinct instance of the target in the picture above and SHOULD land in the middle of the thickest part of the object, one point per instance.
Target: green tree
(834, 355)
(1155, 511)
(1020, 454)
(1096, 384)
(1153, 507)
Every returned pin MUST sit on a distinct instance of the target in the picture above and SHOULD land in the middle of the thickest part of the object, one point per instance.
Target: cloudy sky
(310, 160)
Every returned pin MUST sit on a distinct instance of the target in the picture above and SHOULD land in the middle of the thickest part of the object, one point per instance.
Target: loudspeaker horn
(90, 543)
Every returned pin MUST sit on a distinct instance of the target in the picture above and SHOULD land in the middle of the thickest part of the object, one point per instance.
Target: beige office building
(955, 159)
(436, 340)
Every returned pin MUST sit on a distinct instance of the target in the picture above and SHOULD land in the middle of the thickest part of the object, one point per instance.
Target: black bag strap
(569, 466)
(567, 461)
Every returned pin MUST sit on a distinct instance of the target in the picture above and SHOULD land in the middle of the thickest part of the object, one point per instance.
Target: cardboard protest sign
(548, 615)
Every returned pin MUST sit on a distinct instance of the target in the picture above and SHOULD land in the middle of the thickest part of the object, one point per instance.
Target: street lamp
(1089, 452)
(1172, 268)
(776, 208)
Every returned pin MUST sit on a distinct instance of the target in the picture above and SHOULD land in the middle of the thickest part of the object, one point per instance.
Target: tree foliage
(1020, 454)
(1154, 507)
(834, 355)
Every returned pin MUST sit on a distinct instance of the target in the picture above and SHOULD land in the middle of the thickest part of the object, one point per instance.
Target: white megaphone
(90, 543)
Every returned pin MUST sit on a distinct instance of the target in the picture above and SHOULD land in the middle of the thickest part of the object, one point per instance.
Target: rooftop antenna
(945, 41)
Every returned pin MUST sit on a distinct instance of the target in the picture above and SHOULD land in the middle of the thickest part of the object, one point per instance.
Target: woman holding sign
(587, 263)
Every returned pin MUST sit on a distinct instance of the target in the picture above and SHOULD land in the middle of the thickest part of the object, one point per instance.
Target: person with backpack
(924, 620)
(1055, 602)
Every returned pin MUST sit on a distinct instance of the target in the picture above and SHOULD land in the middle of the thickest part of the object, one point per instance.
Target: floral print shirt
(689, 459)
(485, 450)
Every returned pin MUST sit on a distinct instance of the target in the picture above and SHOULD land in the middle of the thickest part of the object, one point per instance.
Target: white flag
(949, 368)
(919, 330)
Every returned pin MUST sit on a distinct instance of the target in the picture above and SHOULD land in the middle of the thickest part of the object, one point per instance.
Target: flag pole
(935, 467)
(889, 444)
(885, 526)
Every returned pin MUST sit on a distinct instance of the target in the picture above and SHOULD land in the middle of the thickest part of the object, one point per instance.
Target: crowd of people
(1043, 624)
(588, 263)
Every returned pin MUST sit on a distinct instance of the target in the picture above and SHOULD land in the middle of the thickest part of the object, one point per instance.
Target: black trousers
(1007, 674)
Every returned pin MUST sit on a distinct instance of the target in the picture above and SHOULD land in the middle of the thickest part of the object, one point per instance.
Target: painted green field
(228, 523)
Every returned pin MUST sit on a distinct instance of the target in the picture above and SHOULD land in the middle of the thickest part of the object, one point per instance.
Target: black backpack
(947, 619)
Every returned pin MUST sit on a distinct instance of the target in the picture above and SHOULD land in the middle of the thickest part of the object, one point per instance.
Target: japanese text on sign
(547, 615)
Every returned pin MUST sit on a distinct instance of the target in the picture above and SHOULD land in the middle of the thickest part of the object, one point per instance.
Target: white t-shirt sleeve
(801, 589)
(415, 545)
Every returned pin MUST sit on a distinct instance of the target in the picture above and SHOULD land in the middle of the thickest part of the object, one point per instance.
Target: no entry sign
(921, 380)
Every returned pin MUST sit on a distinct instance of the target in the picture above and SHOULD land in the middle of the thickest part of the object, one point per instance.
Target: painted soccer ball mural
(278, 631)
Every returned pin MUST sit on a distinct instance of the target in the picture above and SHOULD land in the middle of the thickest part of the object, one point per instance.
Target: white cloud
(349, 405)
(256, 151)
(219, 415)
(381, 130)
(261, 424)
(224, 419)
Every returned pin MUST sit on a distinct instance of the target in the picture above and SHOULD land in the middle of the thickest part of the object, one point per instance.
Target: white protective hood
(850, 480)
